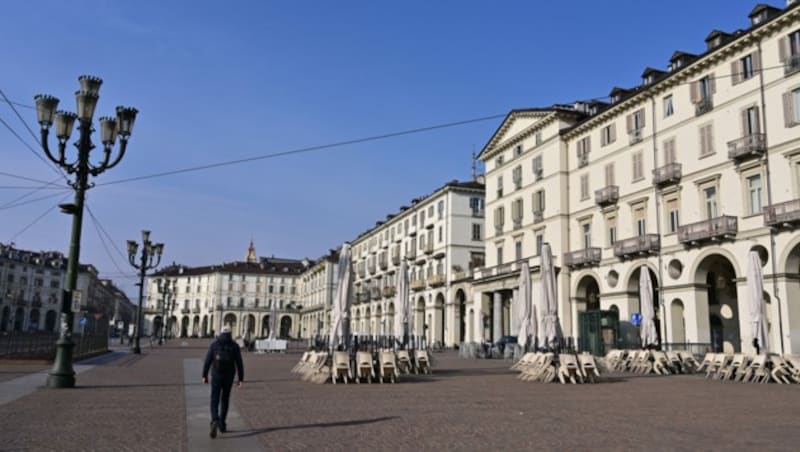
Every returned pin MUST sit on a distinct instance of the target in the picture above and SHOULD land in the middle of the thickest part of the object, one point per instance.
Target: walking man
(224, 358)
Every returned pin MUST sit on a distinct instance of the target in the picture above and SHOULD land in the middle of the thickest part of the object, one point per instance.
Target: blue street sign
(636, 319)
(84, 321)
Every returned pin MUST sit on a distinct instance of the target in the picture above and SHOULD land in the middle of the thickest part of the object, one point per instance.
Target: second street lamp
(62, 375)
(150, 251)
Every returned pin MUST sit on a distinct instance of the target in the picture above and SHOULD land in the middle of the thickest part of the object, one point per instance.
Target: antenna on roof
(474, 165)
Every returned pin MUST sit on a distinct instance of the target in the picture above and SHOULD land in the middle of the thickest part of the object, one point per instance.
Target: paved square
(140, 403)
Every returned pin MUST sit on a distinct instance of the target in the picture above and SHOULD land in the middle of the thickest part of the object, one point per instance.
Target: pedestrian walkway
(198, 416)
(20, 387)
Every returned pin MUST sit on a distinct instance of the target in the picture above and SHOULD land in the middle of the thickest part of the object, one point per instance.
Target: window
(518, 250)
(791, 108)
(430, 211)
(440, 209)
(584, 187)
(754, 192)
(789, 47)
(422, 218)
(611, 226)
(586, 229)
(609, 170)
(538, 170)
(476, 232)
(640, 219)
(710, 196)
(516, 174)
(539, 243)
(608, 135)
(516, 212)
(669, 151)
(476, 204)
(440, 234)
(499, 218)
(673, 215)
(584, 147)
(638, 166)
(498, 161)
(669, 109)
(706, 140)
(750, 124)
(538, 138)
(538, 201)
(518, 150)
(499, 186)
(499, 255)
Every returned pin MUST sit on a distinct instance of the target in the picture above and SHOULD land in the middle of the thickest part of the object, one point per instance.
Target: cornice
(494, 146)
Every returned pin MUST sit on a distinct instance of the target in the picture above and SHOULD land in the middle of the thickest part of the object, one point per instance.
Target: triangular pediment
(516, 122)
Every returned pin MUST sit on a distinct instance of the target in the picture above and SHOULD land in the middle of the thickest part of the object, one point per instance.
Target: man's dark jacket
(226, 340)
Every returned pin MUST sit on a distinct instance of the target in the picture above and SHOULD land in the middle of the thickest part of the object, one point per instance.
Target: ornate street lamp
(150, 251)
(62, 375)
(167, 288)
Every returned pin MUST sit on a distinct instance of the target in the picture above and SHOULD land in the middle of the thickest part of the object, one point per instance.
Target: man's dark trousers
(220, 396)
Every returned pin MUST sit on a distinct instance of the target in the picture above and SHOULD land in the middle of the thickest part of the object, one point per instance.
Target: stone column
(497, 326)
(515, 316)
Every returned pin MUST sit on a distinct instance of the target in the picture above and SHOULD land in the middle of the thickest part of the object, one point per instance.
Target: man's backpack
(224, 359)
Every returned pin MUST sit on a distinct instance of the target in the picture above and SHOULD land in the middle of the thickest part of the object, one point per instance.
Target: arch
(633, 276)
(439, 318)
(230, 320)
(50, 321)
(579, 277)
(264, 326)
(185, 326)
(158, 326)
(717, 301)
(367, 321)
(196, 326)
(5, 319)
(381, 320)
(696, 265)
(789, 261)
(204, 328)
(286, 327)
(419, 317)
(471, 326)
(460, 317)
(33, 320)
(587, 291)
(249, 326)
(677, 321)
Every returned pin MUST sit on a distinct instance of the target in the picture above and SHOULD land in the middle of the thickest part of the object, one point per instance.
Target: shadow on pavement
(254, 432)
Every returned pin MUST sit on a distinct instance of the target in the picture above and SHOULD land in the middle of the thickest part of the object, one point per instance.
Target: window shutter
(710, 138)
(642, 121)
(613, 132)
(783, 49)
(694, 89)
(788, 109)
(629, 123)
(736, 72)
(541, 200)
(756, 62)
(745, 131)
(603, 140)
(587, 146)
(610, 174)
(712, 84)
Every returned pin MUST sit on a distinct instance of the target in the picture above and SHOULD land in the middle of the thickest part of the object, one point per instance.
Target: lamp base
(62, 375)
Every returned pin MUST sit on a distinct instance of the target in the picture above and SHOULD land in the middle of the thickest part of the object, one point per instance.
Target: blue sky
(224, 80)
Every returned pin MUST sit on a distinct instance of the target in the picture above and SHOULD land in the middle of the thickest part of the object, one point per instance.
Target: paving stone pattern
(137, 403)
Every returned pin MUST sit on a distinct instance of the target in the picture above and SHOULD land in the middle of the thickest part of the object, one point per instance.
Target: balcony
(152, 311)
(607, 195)
(478, 213)
(21, 303)
(457, 276)
(714, 229)
(637, 246)
(196, 311)
(362, 271)
(412, 252)
(417, 284)
(517, 222)
(429, 248)
(383, 263)
(219, 307)
(389, 291)
(538, 216)
(635, 136)
(585, 257)
(375, 293)
(371, 268)
(753, 145)
(362, 297)
(396, 258)
(667, 174)
(785, 214)
(792, 64)
(704, 106)
(498, 229)
(437, 280)
(186, 311)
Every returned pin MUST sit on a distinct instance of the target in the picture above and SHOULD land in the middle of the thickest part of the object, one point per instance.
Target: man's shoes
(213, 432)
(223, 428)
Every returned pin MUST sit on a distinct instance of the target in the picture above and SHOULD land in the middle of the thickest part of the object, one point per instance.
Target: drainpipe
(772, 246)
(658, 230)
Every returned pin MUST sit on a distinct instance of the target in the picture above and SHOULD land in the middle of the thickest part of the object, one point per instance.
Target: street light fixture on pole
(62, 375)
(150, 251)
(167, 288)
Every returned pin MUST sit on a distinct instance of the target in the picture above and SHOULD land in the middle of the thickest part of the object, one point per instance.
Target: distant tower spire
(251, 253)
(474, 165)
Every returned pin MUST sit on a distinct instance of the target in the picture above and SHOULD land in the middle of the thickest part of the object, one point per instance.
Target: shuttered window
(669, 151)
(791, 108)
(499, 217)
(638, 166)
(673, 215)
(608, 135)
(635, 121)
(745, 68)
(584, 146)
(750, 121)
(609, 169)
(538, 170)
(584, 186)
(516, 174)
(516, 210)
(538, 201)
(706, 140)
(702, 90)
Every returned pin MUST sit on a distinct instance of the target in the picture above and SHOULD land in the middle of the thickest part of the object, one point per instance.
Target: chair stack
(566, 367)
(751, 368)
(657, 362)
(313, 367)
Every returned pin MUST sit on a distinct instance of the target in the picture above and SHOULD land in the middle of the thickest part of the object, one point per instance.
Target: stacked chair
(566, 367)
(751, 368)
(657, 362)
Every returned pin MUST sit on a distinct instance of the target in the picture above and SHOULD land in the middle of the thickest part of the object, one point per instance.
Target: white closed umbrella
(341, 302)
(522, 305)
(648, 331)
(755, 287)
(273, 320)
(550, 329)
(401, 302)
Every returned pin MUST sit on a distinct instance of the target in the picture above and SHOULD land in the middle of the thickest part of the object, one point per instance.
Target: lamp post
(150, 251)
(62, 375)
(168, 289)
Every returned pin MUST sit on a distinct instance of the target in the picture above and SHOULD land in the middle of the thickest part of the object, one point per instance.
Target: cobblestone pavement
(136, 403)
(11, 369)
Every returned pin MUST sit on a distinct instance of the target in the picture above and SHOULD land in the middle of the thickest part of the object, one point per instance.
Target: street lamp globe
(65, 121)
(46, 106)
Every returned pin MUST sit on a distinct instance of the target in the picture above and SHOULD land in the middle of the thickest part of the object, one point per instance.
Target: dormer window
(615, 98)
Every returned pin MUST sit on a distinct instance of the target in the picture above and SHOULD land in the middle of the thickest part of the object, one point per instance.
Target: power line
(31, 201)
(29, 187)
(21, 119)
(30, 193)
(113, 242)
(29, 179)
(30, 225)
(30, 148)
(97, 228)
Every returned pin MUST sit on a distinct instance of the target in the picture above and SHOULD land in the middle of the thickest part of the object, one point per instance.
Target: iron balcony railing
(429, 247)
(792, 64)
(634, 246)
(714, 229)
(185, 311)
(586, 256)
(389, 291)
(517, 223)
(417, 284)
(635, 136)
(782, 214)
(704, 106)
(667, 174)
(436, 280)
(538, 216)
(371, 268)
(375, 292)
(478, 213)
(461, 275)
(607, 195)
(498, 229)
(196, 310)
(748, 146)
(396, 258)
(383, 263)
